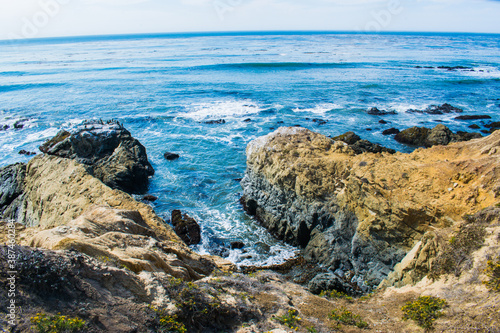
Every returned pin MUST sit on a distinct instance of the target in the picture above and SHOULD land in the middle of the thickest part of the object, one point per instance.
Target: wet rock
(454, 68)
(493, 125)
(149, 197)
(215, 122)
(390, 131)
(108, 151)
(27, 153)
(474, 126)
(438, 109)
(473, 117)
(171, 156)
(4, 127)
(319, 121)
(376, 112)
(186, 228)
(247, 120)
(19, 124)
(439, 135)
(383, 122)
(237, 245)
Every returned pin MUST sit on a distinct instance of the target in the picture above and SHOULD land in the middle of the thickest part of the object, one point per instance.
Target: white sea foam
(484, 72)
(320, 108)
(222, 109)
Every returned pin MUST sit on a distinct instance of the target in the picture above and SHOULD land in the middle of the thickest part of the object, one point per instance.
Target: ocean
(166, 89)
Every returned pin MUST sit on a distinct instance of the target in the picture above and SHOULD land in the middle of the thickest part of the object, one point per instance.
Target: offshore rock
(108, 151)
(439, 135)
(186, 228)
(363, 213)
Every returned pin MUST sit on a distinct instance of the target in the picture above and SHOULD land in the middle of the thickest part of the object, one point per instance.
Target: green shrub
(346, 317)
(56, 324)
(425, 310)
(493, 272)
(165, 323)
(291, 319)
(334, 294)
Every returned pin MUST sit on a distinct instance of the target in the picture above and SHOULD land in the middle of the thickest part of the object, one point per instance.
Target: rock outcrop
(361, 214)
(186, 227)
(439, 135)
(11, 189)
(108, 151)
(360, 146)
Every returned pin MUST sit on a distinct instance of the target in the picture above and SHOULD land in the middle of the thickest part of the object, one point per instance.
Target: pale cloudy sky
(46, 18)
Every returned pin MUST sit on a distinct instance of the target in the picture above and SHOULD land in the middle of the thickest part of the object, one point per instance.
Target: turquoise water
(165, 87)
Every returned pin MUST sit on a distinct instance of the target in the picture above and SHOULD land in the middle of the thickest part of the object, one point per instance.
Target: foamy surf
(221, 109)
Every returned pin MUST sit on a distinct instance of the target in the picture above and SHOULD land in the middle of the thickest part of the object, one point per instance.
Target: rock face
(360, 214)
(108, 151)
(186, 228)
(11, 189)
(439, 135)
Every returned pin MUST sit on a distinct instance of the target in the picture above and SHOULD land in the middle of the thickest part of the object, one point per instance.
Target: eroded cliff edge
(361, 214)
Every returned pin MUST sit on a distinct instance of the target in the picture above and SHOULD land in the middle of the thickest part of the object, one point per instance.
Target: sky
(53, 18)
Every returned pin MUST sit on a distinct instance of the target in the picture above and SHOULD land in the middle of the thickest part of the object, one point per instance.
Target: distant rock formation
(360, 214)
(439, 135)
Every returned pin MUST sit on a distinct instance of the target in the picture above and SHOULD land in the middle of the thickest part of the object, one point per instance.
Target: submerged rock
(376, 112)
(363, 212)
(390, 131)
(171, 156)
(438, 109)
(473, 117)
(186, 228)
(108, 151)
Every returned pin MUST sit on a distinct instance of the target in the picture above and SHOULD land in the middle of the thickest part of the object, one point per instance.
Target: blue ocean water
(164, 88)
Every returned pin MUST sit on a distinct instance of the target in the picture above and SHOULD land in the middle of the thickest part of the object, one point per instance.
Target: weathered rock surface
(363, 213)
(108, 151)
(360, 146)
(186, 227)
(439, 135)
(11, 189)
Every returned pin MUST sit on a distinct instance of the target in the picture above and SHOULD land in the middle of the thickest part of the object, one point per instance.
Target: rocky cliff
(360, 214)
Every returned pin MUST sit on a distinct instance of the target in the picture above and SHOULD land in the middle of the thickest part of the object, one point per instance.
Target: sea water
(165, 88)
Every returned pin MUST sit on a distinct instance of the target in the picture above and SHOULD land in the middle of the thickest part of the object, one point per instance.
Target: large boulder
(108, 151)
(360, 146)
(363, 213)
(186, 228)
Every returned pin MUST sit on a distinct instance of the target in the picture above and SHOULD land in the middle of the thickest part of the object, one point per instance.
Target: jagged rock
(108, 151)
(493, 125)
(11, 189)
(438, 109)
(4, 127)
(415, 136)
(376, 112)
(27, 153)
(320, 121)
(363, 213)
(186, 228)
(474, 126)
(171, 156)
(362, 146)
(390, 131)
(331, 281)
(473, 117)
(215, 122)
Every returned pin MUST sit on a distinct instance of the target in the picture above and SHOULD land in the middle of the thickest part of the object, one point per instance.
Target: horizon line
(243, 33)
